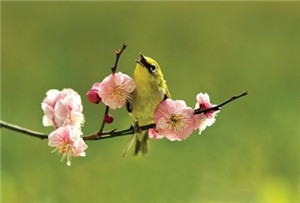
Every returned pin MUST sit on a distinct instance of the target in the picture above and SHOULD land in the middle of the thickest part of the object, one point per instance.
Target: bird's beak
(143, 61)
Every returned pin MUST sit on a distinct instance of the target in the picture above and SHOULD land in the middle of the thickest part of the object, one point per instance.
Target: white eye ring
(153, 68)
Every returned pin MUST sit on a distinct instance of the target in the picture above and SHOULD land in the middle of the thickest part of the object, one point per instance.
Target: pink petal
(154, 135)
(61, 113)
(80, 146)
(181, 127)
(115, 89)
(67, 141)
(52, 94)
(49, 115)
(47, 121)
(58, 107)
(204, 119)
(96, 85)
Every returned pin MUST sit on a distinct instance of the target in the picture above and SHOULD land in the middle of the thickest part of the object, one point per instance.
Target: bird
(151, 89)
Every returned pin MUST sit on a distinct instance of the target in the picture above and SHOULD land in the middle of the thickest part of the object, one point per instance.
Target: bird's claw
(136, 127)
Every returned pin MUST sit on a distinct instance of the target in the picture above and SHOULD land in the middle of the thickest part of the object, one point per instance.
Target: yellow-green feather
(150, 90)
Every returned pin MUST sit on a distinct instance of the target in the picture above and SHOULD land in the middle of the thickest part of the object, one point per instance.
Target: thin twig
(103, 121)
(118, 54)
(23, 130)
(218, 107)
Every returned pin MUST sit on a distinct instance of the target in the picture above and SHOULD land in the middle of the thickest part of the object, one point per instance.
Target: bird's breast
(145, 99)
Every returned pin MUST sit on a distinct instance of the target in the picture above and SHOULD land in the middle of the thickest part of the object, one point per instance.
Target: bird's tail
(141, 143)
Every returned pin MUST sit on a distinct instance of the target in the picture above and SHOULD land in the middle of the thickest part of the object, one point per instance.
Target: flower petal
(153, 134)
(174, 119)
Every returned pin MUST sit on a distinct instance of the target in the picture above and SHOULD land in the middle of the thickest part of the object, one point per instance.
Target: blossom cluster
(173, 119)
(176, 121)
(63, 111)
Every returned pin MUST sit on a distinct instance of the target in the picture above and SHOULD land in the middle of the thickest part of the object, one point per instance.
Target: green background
(251, 153)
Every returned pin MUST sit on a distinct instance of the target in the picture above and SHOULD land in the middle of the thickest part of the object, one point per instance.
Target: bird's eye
(153, 68)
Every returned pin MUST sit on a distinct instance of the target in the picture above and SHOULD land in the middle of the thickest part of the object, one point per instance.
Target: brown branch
(103, 121)
(23, 130)
(113, 133)
(94, 136)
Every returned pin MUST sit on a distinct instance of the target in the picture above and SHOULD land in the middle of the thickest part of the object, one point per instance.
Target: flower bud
(108, 118)
(93, 96)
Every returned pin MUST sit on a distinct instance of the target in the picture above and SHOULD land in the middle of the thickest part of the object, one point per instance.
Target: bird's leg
(136, 127)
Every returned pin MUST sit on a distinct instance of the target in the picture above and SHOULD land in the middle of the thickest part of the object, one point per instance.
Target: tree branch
(23, 130)
(113, 133)
(94, 136)
(103, 121)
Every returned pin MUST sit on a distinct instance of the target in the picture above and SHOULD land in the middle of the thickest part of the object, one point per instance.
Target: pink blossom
(174, 120)
(115, 89)
(204, 119)
(93, 94)
(68, 142)
(62, 108)
(153, 134)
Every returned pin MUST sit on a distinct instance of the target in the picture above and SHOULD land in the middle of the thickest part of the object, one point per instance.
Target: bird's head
(148, 67)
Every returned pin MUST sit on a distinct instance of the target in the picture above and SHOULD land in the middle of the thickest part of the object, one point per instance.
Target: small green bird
(151, 89)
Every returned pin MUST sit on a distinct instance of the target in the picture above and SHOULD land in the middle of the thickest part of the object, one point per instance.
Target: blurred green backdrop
(251, 154)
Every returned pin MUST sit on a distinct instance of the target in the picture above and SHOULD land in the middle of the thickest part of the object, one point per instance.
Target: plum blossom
(153, 134)
(174, 120)
(67, 141)
(204, 119)
(62, 108)
(115, 89)
(93, 94)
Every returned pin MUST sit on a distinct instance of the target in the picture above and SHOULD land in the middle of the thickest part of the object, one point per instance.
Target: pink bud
(93, 96)
(108, 118)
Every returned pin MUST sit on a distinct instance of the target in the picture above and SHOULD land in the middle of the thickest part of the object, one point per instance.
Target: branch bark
(23, 130)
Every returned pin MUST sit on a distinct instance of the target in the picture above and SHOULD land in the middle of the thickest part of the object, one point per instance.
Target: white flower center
(66, 150)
